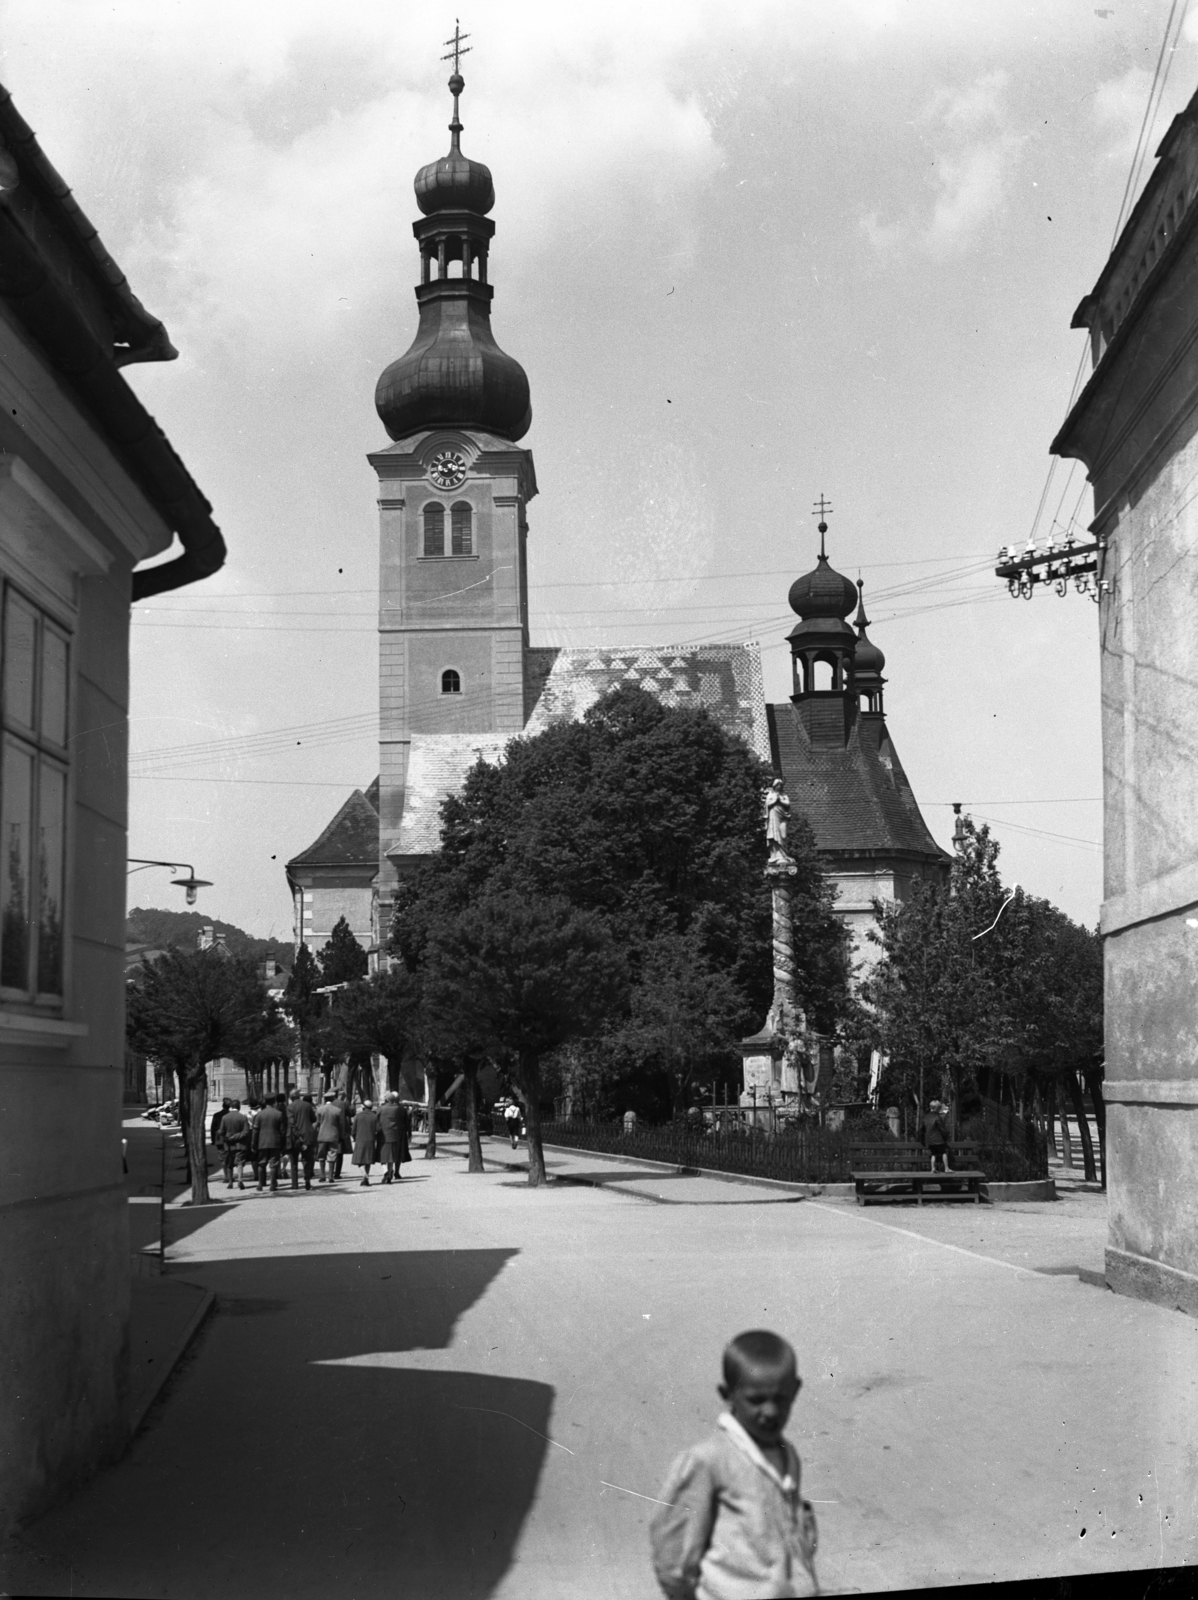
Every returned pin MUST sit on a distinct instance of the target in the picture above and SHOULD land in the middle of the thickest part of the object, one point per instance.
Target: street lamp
(189, 884)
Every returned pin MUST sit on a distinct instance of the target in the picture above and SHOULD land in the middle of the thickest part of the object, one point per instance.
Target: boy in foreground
(733, 1525)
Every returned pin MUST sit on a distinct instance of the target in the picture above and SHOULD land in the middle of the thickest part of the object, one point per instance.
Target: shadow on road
(295, 1453)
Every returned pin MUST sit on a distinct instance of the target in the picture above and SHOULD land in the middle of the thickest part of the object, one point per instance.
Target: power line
(568, 583)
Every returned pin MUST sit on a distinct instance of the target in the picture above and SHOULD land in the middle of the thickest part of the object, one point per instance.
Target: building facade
(1135, 427)
(89, 487)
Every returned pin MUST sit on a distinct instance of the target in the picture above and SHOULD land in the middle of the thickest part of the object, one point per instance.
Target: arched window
(434, 529)
(451, 681)
(823, 675)
(461, 530)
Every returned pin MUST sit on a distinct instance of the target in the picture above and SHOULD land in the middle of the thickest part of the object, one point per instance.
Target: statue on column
(777, 816)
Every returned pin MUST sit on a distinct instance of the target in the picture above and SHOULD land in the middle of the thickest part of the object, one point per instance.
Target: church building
(458, 674)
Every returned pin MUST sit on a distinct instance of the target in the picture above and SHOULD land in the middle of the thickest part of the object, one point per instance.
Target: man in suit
(234, 1137)
(330, 1129)
(301, 1137)
(270, 1128)
(393, 1125)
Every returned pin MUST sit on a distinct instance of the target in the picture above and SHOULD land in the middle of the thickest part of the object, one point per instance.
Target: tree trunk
(475, 1164)
(1050, 1114)
(1093, 1082)
(1066, 1140)
(530, 1083)
(430, 1101)
(1083, 1126)
(193, 1102)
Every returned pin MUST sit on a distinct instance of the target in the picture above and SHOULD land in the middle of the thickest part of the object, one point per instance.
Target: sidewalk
(474, 1389)
(165, 1312)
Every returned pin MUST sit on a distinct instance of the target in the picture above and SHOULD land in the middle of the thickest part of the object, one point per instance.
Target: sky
(748, 256)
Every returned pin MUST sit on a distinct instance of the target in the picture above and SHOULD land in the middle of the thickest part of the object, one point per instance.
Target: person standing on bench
(935, 1136)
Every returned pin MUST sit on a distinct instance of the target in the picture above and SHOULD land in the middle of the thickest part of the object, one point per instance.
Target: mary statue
(777, 811)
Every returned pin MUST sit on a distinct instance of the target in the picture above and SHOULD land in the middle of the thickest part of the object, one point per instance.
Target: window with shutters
(462, 529)
(434, 529)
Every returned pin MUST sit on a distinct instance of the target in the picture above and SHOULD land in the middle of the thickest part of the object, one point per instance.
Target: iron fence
(798, 1154)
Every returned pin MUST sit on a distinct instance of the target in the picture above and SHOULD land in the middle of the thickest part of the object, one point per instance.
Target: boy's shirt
(734, 1528)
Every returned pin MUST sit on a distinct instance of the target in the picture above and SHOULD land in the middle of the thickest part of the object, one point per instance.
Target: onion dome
(454, 375)
(867, 658)
(455, 183)
(823, 592)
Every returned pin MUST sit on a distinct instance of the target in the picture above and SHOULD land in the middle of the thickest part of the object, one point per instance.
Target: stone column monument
(775, 1057)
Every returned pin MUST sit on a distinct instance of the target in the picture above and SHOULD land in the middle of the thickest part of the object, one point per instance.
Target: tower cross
(457, 49)
(822, 508)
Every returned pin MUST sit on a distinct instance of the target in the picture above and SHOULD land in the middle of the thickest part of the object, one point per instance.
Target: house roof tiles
(351, 837)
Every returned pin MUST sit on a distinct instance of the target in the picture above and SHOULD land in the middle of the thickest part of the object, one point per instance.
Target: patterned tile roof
(351, 838)
(855, 796)
(724, 679)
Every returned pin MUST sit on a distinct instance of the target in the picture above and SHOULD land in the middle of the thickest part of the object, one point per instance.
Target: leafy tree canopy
(651, 818)
(973, 980)
(190, 1007)
(343, 958)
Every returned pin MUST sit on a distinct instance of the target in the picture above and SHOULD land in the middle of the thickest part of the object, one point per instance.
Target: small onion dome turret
(867, 658)
(454, 182)
(822, 592)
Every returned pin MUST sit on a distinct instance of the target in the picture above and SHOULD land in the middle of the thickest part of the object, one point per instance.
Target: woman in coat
(366, 1129)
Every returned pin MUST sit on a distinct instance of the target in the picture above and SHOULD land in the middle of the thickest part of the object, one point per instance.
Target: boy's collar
(745, 1442)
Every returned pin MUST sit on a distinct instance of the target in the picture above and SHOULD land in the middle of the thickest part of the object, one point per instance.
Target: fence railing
(809, 1155)
(803, 1154)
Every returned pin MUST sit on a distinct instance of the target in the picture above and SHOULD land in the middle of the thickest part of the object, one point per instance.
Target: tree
(514, 978)
(185, 1009)
(378, 1015)
(302, 1001)
(343, 958)
(977, 984)
(684, 1012)
(649, 818)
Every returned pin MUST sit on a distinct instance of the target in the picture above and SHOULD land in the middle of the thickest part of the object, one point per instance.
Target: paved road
(458, 1387)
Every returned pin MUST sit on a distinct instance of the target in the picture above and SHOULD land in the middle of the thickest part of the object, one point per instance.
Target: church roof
(351, 838)
(723, 679)
(855, 796)
(437, 767)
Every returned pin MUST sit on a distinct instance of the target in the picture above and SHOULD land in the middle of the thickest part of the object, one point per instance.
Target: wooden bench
(895, 1171)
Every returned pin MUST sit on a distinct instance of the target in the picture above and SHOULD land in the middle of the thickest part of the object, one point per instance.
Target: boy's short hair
(757, 1348)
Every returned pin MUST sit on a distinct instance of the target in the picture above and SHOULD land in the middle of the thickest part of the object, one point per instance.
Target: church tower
(453, 491)
(834, 752)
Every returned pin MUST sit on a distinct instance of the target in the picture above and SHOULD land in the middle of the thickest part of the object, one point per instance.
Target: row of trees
(596, 923)
(982, 991)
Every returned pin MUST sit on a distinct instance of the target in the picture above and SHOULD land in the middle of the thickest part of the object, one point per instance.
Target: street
(460, 1387)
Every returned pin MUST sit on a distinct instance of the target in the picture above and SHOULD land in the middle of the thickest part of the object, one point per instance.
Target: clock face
(447, 470)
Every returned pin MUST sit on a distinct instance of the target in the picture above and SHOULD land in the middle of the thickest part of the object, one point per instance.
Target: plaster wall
(1135, 427)
(328, 904)
(72, 525)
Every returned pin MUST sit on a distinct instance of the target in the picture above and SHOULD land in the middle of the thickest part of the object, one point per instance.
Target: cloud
(1119, 114)
(974, 153)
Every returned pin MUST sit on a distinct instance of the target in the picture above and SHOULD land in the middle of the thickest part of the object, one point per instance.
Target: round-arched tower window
(451, 681)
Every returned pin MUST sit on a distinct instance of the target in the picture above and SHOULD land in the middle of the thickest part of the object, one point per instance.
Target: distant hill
(160, 930)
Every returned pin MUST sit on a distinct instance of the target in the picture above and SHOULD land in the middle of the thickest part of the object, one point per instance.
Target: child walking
(733, 1525)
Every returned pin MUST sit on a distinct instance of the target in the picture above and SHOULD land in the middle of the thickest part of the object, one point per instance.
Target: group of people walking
(293, 1127)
